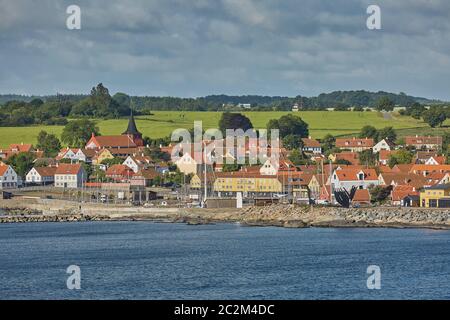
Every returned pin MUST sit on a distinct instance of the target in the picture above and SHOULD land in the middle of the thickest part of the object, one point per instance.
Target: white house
(435, 160)
(186, 164)
(70, 176)
(349, 177)
(8, 177)
(41, 175)
(311, 145)
(77, 155)
(384, 144)
(137, 163)
(270, 167)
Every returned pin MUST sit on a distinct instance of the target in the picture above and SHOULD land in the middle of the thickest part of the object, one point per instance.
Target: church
(131, 138)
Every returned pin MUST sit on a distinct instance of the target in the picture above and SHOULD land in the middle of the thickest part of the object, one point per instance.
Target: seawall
(36, 210)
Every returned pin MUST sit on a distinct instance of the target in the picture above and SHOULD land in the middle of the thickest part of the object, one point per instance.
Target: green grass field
(162, 123)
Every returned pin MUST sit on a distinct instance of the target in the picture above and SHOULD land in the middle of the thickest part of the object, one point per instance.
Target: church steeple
(132, 129)
(133, 132)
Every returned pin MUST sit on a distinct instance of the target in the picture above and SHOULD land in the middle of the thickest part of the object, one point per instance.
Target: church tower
(133, 132)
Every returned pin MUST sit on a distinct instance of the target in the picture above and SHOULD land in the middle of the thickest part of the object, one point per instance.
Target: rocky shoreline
(288, 216)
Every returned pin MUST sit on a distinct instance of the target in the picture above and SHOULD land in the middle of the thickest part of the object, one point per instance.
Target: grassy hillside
(162, 123)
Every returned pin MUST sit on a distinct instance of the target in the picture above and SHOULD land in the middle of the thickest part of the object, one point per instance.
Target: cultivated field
(162, 123)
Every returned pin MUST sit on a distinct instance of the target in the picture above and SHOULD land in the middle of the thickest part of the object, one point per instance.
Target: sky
(191, 48)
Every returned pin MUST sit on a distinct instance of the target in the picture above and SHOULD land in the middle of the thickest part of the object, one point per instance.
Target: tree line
(100, 104)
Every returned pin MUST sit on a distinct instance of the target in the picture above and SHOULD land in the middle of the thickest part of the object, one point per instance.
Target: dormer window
(361, 176)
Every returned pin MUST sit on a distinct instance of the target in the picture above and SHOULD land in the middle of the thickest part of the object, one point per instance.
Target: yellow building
(247, 182)
(103, 154)
(196, 182)
(437, 196)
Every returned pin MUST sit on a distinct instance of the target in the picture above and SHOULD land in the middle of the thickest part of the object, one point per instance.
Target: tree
(297, 157)
(343, 162)
(384, 103)
(292, 142)
(101, 100)
(76, 133)
(401, 156)
(446, 142)
(231, 167)
(368, 132)
(387, 133)
(367, 157)
(21, 162)
(98, 174)
(341, 107)
(234, 121)
(416, 110)
(328, 143)
(434, 117)
(111, 162)
(379, 194)
(156, 154)
(289, 125)
(48, 143)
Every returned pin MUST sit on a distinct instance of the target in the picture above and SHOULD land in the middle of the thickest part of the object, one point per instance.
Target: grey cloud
(199, 47)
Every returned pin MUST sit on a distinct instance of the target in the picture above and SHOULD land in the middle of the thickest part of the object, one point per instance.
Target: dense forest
(20, 110)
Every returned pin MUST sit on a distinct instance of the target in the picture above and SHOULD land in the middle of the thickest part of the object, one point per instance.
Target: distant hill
(215, 102)
(365, 98)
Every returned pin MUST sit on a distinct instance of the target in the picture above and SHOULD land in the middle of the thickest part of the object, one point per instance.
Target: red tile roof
(21, 147)
(402, 167)
(119, 170)
(401, 191)
(46, 171)
(352, 174)
(310, 143)
(65, 168)
(123, 141)
(419, 140)
(401, 178)
(420, 168)
(361, 196)
(354, 143)
(352, 157)
(3, 169)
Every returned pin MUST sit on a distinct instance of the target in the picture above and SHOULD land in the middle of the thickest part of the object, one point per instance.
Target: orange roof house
(68, 169)
(424, 142)
(402, 167)
(46, 171)
(355, 144)
(351, 157)
(425, 169)
(437, 178)
(398, 193)
(21, 147)
(131, 138)
(354, 174)
(16, 148)
(436, 160)
(119, 172)
(362, 196)
(311, 145)
(396, 178)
